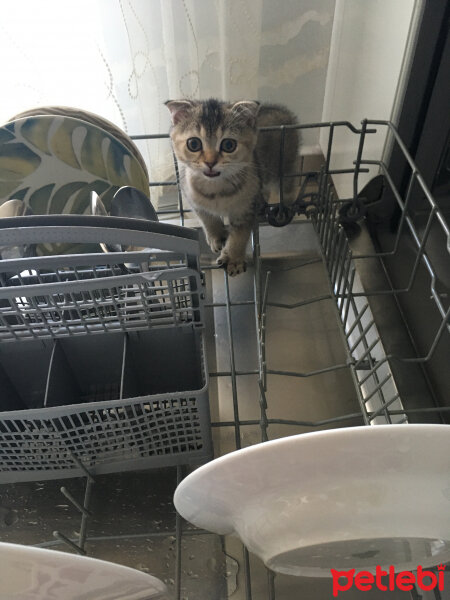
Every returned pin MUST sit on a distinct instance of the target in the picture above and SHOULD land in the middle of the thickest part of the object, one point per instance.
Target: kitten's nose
(211, 164)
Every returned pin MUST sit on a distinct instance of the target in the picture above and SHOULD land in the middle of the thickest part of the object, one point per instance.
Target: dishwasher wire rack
(370, 366)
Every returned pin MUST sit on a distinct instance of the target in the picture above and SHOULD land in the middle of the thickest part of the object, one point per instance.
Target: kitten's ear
(247, 110)
(178, 109)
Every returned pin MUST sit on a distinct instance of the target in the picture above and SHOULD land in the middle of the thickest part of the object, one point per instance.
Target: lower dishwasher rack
(293, 345)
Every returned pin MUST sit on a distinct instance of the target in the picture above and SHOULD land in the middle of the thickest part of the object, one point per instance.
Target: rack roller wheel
(279, 215)
(310, 210)
(352, 212)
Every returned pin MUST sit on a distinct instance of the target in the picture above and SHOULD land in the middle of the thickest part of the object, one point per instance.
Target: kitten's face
(214, 140)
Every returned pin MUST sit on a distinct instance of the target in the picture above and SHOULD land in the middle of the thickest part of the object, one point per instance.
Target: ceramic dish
(58, 160)
(344, 498)
(87, 117)
(28, 573)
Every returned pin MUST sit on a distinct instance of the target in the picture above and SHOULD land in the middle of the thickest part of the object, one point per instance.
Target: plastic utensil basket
(102, 360)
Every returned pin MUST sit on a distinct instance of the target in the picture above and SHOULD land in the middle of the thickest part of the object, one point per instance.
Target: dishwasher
(312, 337)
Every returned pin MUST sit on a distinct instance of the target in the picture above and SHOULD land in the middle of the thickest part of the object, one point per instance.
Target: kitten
(227, 168)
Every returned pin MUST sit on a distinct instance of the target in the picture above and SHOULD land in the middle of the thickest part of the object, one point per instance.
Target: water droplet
(211, 563)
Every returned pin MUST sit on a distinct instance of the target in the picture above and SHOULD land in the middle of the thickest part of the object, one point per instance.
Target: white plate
(28, 573)
(344, 498)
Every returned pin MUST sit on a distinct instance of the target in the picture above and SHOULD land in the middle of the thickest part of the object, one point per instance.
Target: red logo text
(388, 580)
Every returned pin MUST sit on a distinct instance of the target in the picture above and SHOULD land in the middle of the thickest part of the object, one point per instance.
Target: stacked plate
(340, 499)
(28, 573)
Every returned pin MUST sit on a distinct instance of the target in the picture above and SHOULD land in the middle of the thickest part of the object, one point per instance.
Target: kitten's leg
(233, 253)
(215, 230)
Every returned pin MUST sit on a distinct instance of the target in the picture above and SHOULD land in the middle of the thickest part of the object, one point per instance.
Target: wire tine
(178, 538)
(321, 206)
(362, 336)
(333, 247)
(180, 196)
(266, 292)
(260, 324)
(270, 585)
(336, 367)
(84, 517)
(404, 212)
(63, 538)
(282, 130)
(337, 257)
(349, 295)
(301, 303)
(366, 352)
(247, 575)
(237, 431)
(421, 249)
(383, 408)
(362, 138)
(375, 367)
(83, 510)
(378, 386)
(326, 222)
(357, 320)
(329, 149)
(340, 291)
(264, 422)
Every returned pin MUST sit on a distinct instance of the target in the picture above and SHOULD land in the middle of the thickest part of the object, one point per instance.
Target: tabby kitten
(227, 168)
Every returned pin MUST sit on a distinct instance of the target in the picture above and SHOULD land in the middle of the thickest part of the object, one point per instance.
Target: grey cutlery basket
(87, 291)
(102, 361)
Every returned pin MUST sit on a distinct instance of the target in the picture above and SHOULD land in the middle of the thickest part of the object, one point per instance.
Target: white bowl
(28, 573)
(344, 498)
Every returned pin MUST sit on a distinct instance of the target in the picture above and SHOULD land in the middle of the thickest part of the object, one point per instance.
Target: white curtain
(123, 58)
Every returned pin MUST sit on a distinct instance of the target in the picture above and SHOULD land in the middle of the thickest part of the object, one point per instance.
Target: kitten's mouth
(211, 173)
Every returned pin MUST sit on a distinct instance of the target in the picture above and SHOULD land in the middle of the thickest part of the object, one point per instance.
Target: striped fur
(229, 186)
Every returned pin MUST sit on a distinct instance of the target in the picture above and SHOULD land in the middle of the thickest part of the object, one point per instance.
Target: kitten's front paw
(216, 243)
(233, 267)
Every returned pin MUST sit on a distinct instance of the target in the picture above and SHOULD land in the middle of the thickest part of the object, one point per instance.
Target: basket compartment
(162, 361)
(117, 366)
(24, 372)
(114, 402)
(85, 370)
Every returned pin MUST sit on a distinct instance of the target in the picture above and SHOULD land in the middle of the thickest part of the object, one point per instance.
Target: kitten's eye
(194, 144)
(228, 145)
